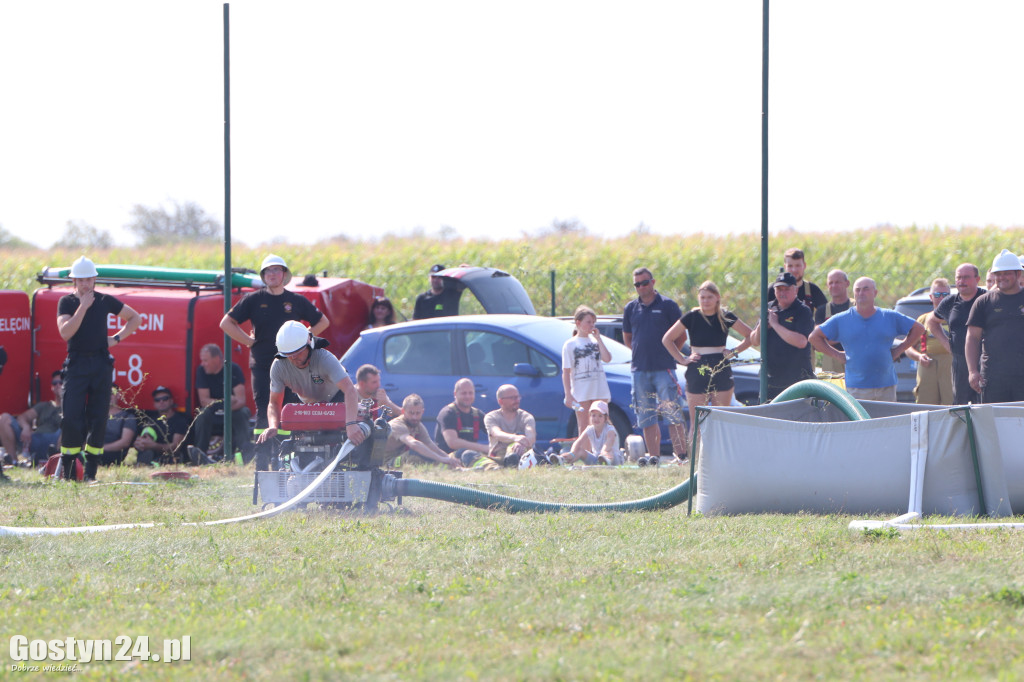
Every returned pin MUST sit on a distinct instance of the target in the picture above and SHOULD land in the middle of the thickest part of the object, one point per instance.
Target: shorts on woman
(709, 381)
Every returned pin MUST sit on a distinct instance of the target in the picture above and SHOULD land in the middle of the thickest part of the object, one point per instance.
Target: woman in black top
(708, 375)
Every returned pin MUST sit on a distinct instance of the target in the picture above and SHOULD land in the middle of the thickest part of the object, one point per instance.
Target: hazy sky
(494, 118)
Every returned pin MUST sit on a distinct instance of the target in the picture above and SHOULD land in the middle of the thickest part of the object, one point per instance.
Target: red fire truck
(181, 311)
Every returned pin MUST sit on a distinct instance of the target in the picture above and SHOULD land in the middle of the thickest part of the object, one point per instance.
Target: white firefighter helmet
(275, 260)
(83, 267)
(292, 336)
(528, 460)
(1005, 261)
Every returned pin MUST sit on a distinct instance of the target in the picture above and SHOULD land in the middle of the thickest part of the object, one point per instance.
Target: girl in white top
(583, 376)
(599, 439)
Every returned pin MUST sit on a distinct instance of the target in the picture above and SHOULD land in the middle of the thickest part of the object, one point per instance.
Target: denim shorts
(39, 446)
(657, 393)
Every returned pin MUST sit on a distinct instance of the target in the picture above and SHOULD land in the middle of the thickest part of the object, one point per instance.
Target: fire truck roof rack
(158, 278)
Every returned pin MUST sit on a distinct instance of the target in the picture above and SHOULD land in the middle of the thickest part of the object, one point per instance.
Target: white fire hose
(343, 452)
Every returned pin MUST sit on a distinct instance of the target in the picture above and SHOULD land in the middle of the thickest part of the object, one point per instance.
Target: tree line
(153, 226)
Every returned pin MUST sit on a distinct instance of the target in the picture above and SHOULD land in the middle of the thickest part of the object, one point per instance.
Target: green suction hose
(447, 492)
(813, 388)
(476, 498)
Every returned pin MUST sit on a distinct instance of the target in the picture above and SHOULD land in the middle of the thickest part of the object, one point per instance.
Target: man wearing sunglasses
(37, 429)
(934, 361)
(655, 388)
(162, 430)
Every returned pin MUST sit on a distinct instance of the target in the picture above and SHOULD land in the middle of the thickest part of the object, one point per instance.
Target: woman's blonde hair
(710, 286)
(580, 313)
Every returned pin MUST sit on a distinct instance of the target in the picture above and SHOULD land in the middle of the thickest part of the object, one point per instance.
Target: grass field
(443, 591)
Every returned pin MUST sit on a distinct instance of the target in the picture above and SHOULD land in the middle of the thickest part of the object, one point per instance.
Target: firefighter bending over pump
(313, 373)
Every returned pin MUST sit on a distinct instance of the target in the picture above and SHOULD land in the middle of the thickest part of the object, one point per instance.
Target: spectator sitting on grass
(37, 429)
(121, 429)
(409, 435)
(161, 430)
(511, 431)
(460, 425)
(599, 442)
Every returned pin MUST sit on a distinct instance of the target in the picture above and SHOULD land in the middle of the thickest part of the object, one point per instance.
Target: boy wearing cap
(995, 328)
(439, 301)
(161, 430)
(787, 351)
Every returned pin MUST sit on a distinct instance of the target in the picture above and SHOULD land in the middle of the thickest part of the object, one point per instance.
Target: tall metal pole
(764, 203)
(229, 447)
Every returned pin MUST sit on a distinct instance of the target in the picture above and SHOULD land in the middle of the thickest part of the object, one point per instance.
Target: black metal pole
(764, 203)
(229, 447)
(553, 293)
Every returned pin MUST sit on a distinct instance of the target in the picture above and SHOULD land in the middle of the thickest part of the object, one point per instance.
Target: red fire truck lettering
(150, 322)
(15, 324)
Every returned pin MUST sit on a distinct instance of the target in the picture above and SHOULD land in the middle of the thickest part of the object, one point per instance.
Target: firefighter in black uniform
(88, 369)
(268, 309)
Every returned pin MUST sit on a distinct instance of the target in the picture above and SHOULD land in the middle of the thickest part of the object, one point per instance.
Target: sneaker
(653, 461)
(198, 456)
(603, 459)
(643, 461)
(555, 460)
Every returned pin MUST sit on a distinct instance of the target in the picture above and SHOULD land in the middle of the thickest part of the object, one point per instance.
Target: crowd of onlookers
(967, 349)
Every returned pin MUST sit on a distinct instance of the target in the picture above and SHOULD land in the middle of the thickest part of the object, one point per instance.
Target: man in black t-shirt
(88, 369)
(460, 425)
(439, 301)
(161, 430)
(268, 309)
(808, 292)
(210, 390)
(787, 351)
(955, 310)
(995, 329)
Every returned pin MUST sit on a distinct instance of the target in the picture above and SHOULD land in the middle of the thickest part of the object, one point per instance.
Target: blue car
(427, 357)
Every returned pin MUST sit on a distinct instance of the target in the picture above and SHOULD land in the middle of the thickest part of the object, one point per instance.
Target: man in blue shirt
(655, 388)
(867, 334)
